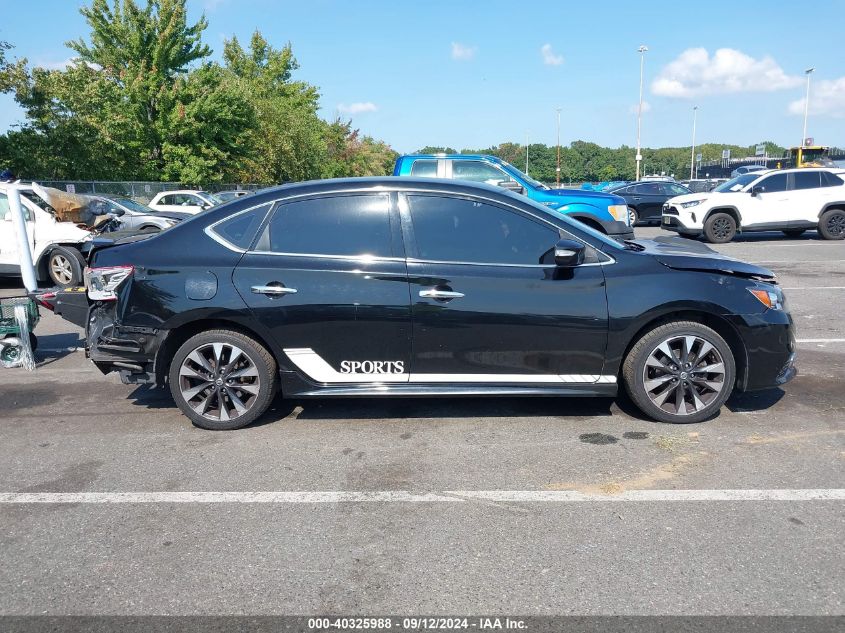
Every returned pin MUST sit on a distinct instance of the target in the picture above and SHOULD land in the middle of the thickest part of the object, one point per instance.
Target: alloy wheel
(219, 381)
(836, 224)
(684, 374)
(721, 228)
(61, 269)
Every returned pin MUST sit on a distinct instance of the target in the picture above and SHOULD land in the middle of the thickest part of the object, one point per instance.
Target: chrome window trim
(360, 258)
(209, 230)
(413, 260)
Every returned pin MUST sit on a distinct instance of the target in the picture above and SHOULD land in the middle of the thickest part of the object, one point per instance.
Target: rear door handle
(434, 293)
(273, 290)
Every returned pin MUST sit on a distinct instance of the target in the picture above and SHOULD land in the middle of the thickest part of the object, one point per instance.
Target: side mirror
(511, 185)
(757, 190)
(569, 253)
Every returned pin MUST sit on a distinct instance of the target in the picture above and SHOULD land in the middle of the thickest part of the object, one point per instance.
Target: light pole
(807, 72)
(642, 51)
(557, 171)
(692, 153)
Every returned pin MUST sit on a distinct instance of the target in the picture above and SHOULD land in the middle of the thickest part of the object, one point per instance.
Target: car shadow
(53, 347)
(745, 402)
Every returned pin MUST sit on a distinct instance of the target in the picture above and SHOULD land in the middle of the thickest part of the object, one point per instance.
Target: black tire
(65, 265)
(637, 370)
(832, 224)
(150, 228)
(262, 383)
(719, 228)
(794, 232)
(633, 216)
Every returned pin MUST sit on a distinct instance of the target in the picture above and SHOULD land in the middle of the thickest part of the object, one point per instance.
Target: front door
(327, 278)
(488, 304)
(771, 208)
(9, 258)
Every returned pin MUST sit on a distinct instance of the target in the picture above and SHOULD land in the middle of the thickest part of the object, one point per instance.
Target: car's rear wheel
(720, 228)
(222, 379)
(832, 224)
(794, 232)
(65, 265)
(680, 372)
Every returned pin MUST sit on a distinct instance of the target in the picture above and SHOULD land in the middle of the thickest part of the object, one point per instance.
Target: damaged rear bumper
(130, 351)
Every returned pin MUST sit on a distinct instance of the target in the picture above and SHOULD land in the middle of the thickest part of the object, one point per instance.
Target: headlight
(771, 299)
(619, 212)
(691, 203)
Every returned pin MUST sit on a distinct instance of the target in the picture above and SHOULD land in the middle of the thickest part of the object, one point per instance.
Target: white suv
(184, 200)
(788, 200)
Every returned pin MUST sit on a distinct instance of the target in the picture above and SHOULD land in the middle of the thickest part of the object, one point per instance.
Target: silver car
(134, 215)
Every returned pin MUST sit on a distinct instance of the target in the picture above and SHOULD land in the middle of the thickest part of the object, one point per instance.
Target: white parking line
(820, 340)
(405, 496)
(814, 288)
(792, 261)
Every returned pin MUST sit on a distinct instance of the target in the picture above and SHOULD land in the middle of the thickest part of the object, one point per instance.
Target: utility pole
(692, 153)
(557, 171)
(642, 51)
(807, 72)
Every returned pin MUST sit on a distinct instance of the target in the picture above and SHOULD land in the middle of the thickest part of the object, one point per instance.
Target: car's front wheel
(679, 372)
(633, 218)
(222, 379)
(720, 228)
(65, 265)
(832, 224)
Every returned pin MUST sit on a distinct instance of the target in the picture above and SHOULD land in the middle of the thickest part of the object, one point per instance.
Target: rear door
(488, 304)
(327, 278)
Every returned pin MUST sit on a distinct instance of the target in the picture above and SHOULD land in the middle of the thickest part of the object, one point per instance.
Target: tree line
(142, 100)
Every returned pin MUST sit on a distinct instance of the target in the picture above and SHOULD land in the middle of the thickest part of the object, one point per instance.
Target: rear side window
(462, 230)
(340, 225)
(831, 180)
(648, 189)
(671, 189)
(807, 179)
(240, 229)
(477, 171)
(424, 168)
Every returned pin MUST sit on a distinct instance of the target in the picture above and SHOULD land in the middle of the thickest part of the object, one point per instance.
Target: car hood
(684, 254)
(585, 194)
(688, 197)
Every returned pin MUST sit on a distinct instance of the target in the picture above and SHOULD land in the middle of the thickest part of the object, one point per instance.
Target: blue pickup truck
(602, 211)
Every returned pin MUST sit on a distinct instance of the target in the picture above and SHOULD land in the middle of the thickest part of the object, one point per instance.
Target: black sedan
(422, 287)
(645, 199)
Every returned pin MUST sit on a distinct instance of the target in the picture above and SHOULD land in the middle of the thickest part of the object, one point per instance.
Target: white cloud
(356, 108)
(696, 73)
(62, 65)
(463, 52)
(827, 97)
(549, 57)
(646, 108)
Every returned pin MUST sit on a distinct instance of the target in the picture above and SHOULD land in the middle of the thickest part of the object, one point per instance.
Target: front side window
(773, 184)
(671, 189)
(6, 211)
(478, 171)
(354, 225)
(424, 168)
(807, 180)
(465, 230)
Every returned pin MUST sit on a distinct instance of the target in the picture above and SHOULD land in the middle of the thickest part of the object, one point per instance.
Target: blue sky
(477, 73)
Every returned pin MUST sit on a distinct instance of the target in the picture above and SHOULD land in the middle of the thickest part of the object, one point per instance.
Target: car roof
(488, 157)
(161, 193)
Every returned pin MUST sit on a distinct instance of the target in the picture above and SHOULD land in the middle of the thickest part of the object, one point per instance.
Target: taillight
(48, 300)
(102, 283)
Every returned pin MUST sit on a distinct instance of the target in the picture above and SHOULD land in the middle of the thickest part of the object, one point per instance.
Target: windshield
(130, 204)
(515, 172)
(736, 184)
(210, 197)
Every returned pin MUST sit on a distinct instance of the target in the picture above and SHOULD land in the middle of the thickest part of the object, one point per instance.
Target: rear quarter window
(240, 229)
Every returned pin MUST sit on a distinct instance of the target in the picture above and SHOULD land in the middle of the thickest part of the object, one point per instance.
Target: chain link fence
(140, 191)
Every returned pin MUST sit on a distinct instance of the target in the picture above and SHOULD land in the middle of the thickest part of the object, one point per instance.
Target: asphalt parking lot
(413, 534)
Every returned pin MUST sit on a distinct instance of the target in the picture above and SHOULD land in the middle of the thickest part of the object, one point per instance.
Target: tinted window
(461, 230)
(240, 229)
(477, 171)
(670, 189)
(340, 225)
(623, 191)
(424, 168)
(6, 211)
(806, 180)
(773, 183)
(831, 180)
(648, 189)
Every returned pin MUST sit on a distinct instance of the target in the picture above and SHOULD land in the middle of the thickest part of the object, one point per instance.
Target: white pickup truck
(55, 245)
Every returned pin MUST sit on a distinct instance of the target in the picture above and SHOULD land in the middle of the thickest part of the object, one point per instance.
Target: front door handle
(434, 293)
(273, 290)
